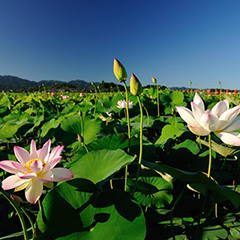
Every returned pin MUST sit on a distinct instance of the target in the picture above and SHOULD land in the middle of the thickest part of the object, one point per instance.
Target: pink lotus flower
(34, 169)
(81, 94)
(65, 97)
(220, 120)
(53, 94)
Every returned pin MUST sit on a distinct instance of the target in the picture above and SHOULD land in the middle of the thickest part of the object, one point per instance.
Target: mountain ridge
(8, 82)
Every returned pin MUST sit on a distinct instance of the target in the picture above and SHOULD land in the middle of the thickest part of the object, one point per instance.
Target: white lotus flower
(34, 169)
(220, 120)
(122, 104)
(106, 119)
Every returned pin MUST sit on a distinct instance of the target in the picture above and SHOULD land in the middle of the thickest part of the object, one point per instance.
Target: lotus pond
(90, 167)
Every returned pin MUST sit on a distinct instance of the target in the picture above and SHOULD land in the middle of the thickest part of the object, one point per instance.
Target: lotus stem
(129, 135)
(210, 155)
(19, 213)
(141, 144)
(29, 218)
(146, 113)
(173, 208)
(158, 105)
(127, 111)
(95, 98)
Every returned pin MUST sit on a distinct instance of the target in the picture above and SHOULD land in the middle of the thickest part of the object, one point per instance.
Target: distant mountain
(15, 83)
(18, 84)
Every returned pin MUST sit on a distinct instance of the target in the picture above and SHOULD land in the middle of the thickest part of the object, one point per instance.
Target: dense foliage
(172, 198)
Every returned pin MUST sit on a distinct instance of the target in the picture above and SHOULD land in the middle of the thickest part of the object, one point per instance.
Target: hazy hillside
(18, 84)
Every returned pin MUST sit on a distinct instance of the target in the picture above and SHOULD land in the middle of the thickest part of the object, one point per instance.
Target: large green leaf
(111, 142)
(53, 123)
(91, 127)
(213, 233)
(8, 130)
(188, 144)
(177, 98)
(152, 191)
(200, 182)
(98, 165)
(169, 132)
(74, 210)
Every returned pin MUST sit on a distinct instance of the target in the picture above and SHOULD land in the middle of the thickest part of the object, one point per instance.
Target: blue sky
(176, 41)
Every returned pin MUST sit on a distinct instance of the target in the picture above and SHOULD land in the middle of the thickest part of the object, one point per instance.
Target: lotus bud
(154, 80)
(80, 138)
(17, 199)
(80, 113)
(119, 71)
(135, 85)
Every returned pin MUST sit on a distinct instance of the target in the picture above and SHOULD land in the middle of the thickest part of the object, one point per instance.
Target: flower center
(29, 163)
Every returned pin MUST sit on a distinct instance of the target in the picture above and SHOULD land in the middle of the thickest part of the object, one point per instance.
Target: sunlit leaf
(98, 165)
(169, 132)
(73, 210)
(91, 126)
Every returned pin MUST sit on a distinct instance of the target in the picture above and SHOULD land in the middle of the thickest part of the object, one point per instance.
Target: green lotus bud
(154, 80)
(80, 138)
(119, 71)
(135, 85)
(17, 199)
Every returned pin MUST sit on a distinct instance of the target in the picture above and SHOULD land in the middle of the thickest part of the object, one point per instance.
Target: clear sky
(175, 41)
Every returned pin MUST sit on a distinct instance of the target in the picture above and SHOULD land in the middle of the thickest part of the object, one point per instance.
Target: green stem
(19, 213)
(158, 105)
(210, 155)
(141, 144)
(81, 119)
(29, 218)
(173, 208)
(141, 132)
(129, 136)
(85, 147)
(146, 113)
(201, 213)
(225, 159)
(128, 120)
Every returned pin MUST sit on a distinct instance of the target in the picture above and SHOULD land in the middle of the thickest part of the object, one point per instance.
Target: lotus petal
(61, 174)
(33, 191)
(230, 138)
(209, 122)
(22, 155)
(187, 116)
(12, 182)
(198, 130)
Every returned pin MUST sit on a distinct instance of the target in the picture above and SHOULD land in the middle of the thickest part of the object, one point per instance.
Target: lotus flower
(220, 120)
(34, 169)
(81, 94)
(108, 118)
(122, 104)
(65, 97)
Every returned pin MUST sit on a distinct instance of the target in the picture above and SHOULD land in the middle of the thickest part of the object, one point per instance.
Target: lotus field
(138, 164)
